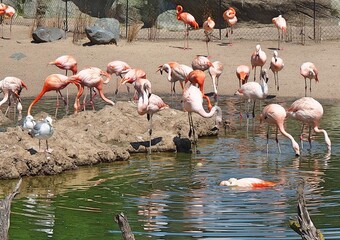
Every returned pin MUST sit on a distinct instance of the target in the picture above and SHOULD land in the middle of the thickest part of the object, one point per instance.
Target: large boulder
(46, 34)
(104, 31)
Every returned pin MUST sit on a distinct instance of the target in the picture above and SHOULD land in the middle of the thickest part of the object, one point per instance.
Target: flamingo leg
(149, 116)
(277, 140)
(57, 106)
(254, 74)
(254, 109)
(301, 135)
(267, 139)
(278, 39)
(310, 137)
(310, 87)
(91, 99)
(305, 87)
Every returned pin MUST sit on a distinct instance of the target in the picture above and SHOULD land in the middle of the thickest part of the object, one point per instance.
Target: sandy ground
(148, 55)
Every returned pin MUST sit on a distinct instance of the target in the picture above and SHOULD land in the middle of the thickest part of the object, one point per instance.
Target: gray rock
(45, 34)
(104, 31)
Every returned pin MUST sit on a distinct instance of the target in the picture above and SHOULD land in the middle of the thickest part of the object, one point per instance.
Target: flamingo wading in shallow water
(276, 65)
(309, 70)
(308, 111)
(188, 20)
(281, 26)
(276, 114)
(193, 103)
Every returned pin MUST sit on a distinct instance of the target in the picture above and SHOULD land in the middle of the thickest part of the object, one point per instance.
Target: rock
(45, 34)
(104, 31)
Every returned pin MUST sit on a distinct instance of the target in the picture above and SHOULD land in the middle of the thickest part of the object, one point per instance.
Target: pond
(177, 195)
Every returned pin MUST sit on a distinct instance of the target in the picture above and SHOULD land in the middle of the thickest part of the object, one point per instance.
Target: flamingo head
(179, 9)
(258, 49)
(296, 148)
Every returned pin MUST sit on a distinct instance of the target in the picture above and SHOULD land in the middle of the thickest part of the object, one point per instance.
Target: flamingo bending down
(276, 114)
(197, 77)
(258, 59)
(54, 82)
(281, 26)
(188, 20)
(119, 68)
(132, 75)
(230, 17)
(9, 86)
(193, 103)
(254, 90)
(276, 65)
(201, 62)
(7, 12)
(91, 77)
(208, 27)
(252, 183)
(148, 103)
(215, 72)
(43, 130)
(308, 111)
(308, 70)
(66, 62)
(167, 67)
(242, 73)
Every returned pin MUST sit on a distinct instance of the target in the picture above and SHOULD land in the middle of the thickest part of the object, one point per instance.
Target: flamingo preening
(188, 20)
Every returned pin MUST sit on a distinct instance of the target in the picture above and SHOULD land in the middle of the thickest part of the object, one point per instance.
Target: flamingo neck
(167, 66)
(327, 140)
(143, 101)
(295, 145)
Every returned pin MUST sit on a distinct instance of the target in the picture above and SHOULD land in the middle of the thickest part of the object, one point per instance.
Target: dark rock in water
(182, 144)
(43, 34)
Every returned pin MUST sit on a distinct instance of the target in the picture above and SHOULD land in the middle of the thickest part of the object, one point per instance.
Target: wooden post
(124, 226)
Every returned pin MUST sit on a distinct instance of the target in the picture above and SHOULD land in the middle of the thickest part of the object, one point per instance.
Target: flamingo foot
(49, 150)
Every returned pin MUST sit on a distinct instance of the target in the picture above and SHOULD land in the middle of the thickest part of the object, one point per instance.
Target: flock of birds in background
(191, 78)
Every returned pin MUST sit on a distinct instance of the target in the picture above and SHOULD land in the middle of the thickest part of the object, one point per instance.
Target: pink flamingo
(242, 73)
(281, 26)
(193, 103)
(230, 17)
(132, 75)
(148, 103)
(252, 183)
(8, 12)
(9, 86)
(201, 62)
(188, 20)
(208, 27)
(66, 62)
(258, 59)
(119, 68)
(197, 77)
(91, 77)
(276, 114)
(215, 72)
(276, 65)
(254, 90)
(308, 70)
(54, 82)
(308, 111)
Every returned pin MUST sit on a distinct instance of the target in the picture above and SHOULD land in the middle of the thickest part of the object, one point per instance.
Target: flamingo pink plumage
(188, 20)
(252, 183)
(281, 26)
(148, 103)
(132, 75)
(193, 103)
(119, 68)
(54, 82)
(91, 77)
(242, 73)
(201, 62)
(258, 59)
(208, 27)
(9, 86)
(7, 12)
(276, 65)
(276, 114)
(309, 70)
(215, 72)
(308, 111)
(230, 17)
(66, 62)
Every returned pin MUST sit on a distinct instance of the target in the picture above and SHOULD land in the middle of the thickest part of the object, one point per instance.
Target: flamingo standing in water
(7, 12)
(258, 59)
(197, 78)
(254, 90)
(281, 26)
(276, 65)
(309, 70)
(119, 68)
(242, 73)
(252, 183)
(208, 27)
(230, 17)
(193, 103)
(54, 82)
(276, 114)
(91, 77)
(12, 86)
(148, 103)
(43, 130)
(308, 111)
(215, 72)
(188, 20)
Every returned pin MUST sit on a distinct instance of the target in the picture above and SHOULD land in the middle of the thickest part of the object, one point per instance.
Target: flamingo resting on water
(308, 111)
(252, 183)
(281, 26)
(309, 70)
(12, 86)
(276, 65)
(188, 20)
(193, 103)
(258, 59)
(276, 114)
(43, 130)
